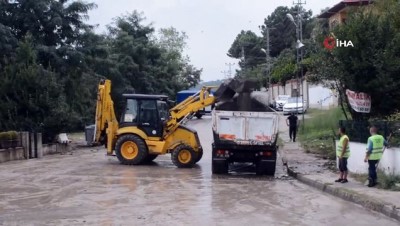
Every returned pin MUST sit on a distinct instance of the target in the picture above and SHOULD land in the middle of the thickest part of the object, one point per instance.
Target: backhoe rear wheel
(199, 155)
(131, 150)
(183, 156)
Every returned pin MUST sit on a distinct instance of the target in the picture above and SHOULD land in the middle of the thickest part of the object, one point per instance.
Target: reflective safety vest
(340, 147)
(377, 146)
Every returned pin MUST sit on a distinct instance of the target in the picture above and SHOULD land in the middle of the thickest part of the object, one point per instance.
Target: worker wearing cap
(292, 122)
(374, 153)
(343, 153)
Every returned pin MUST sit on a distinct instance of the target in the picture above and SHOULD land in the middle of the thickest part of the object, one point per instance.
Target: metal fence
(358, 131)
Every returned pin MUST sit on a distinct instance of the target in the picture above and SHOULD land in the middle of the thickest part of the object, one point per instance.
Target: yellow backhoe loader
(148, 127)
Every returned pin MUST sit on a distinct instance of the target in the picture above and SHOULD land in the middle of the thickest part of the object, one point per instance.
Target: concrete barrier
(11, 154)
(50, 149)
(32, 147)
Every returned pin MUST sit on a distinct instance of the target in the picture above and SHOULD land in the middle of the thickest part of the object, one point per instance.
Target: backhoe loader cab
(146, 112)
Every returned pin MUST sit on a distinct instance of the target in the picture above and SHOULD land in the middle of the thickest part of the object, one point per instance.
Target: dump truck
(245, 129)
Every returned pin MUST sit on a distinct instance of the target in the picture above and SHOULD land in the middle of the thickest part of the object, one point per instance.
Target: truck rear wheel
(265, 168)
(183, 156)
(130, 149)
(219, 166)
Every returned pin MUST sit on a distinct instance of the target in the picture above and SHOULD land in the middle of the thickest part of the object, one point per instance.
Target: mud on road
(88, 188)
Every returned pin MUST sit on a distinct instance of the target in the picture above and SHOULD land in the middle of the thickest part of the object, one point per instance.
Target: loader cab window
(130, 115)
(163, 110)
(148, 112)
(149, 120)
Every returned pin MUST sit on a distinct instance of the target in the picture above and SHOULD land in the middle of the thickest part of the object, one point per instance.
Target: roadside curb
(366, 201)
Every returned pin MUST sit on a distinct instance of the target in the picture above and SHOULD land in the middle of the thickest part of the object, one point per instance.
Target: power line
(299, 5)
(225, 73)
(230, 69)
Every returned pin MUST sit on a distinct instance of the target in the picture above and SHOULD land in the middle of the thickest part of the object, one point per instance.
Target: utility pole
(225, 73)
(268, 62)
(244, 62)
(230, 69)
(299, 31)
(269, 65)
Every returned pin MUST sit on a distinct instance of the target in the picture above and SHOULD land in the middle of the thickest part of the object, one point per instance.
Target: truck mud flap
(219, 166)
(266, 167)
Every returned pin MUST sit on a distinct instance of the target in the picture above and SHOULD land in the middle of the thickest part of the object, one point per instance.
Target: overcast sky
(212, 25)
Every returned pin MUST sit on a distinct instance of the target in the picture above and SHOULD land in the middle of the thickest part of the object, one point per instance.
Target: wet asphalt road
(88, 188)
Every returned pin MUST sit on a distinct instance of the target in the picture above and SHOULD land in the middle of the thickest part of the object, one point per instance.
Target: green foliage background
(51, 61)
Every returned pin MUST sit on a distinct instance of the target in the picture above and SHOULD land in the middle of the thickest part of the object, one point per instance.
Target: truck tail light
(267, 153)
(222, 153)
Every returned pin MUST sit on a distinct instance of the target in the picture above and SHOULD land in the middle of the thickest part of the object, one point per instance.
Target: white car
(294, 105)
(281, 101)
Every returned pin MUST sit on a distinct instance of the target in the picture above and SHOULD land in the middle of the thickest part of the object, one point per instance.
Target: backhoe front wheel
(131, 150)
(183, 156)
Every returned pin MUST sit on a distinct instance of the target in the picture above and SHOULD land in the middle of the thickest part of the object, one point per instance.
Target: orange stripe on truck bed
(263, 138)
(227, 136)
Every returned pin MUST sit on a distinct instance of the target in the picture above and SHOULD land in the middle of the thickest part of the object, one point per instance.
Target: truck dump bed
(245, 128)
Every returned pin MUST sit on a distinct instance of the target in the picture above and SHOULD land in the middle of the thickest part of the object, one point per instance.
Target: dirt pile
(239, 95)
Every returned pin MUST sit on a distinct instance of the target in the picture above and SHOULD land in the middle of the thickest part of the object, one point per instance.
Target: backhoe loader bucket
(224, 93)
(239, 95)
(242, 86)
(228, 89)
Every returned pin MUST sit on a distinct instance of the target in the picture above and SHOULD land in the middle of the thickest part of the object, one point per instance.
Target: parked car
(295, 105)
(281, 101)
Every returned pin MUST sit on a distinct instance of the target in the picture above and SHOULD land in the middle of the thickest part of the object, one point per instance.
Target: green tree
(174, 43)
(373, 64)
(282, 30)
(147, 65)
(51, 62)
(285, 67)
(32, 98)
(8, 44)
(247, 47)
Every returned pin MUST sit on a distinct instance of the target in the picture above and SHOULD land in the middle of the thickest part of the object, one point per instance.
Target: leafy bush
(3, 136)
(394, 117)
(387, 182)
(12, 135)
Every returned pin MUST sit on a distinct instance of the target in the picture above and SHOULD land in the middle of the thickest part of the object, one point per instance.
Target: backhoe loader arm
(189, 106)
(106, 122)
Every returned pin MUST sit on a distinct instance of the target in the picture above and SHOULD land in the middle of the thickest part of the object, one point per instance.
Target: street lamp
(291, 18)
(299, 51)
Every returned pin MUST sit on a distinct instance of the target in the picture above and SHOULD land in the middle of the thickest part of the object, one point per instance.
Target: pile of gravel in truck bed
(238, 95)
(254, 101)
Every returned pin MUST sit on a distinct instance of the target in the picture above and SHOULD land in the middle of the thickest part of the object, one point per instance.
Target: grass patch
(319, 132)
(387, 182)
(76, 136)
(280, 142)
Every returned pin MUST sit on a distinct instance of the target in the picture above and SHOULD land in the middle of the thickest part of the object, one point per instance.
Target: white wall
(318, 95)
(390, 162)
(322, 97)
